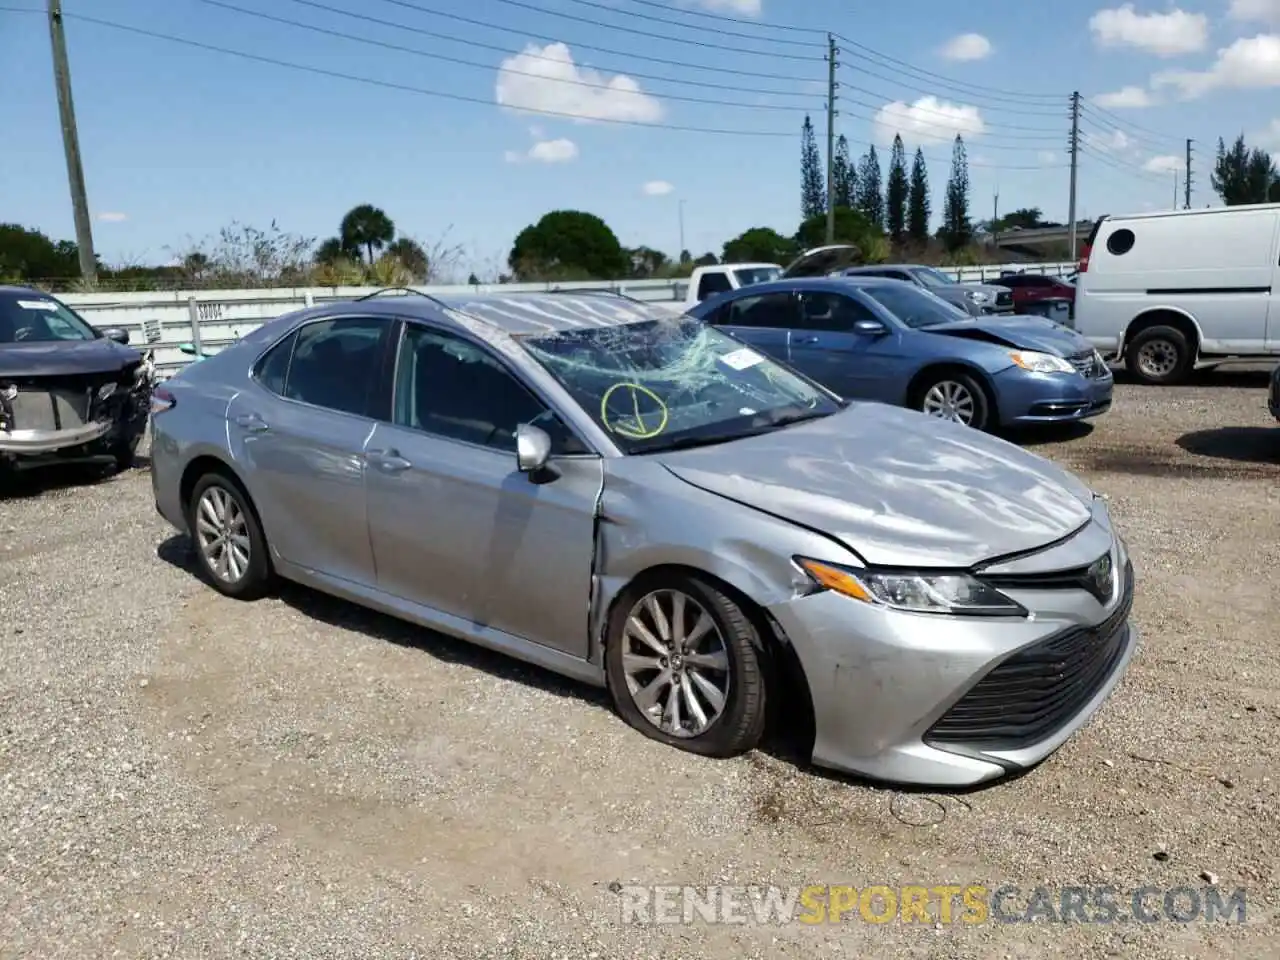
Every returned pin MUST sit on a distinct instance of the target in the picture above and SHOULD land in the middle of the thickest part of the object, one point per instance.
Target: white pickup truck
(707, 282)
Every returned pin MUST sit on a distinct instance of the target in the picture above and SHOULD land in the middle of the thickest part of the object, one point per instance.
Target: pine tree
(918, 205)
(813, 189)
(957, 228)
(844, 175)
(870, 198)
(896, 192)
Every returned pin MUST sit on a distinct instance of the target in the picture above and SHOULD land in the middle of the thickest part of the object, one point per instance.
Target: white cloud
(1165, 164)
(108, 216)
(1116, 141)
(657, 188)
(1261, 11)
(545, 151)
(1163, 34)
(928, 120)
(743, 8)
(1268, 139)
(1048, 156)
(1249, 63)
(967, 46)
(1126, 98)
(546, 79)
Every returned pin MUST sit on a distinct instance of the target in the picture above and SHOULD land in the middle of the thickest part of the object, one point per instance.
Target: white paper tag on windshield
(38, 305)
(741, 359)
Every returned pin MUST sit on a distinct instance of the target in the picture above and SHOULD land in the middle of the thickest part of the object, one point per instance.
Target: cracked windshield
(664, 384)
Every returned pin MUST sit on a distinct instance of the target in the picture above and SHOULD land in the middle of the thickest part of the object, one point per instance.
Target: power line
(1041, 132)
(1116, 118)
(666, 38)
(994, 93)
(1153, 143)
(718, 17)
(458, 18)
(407, 88)
(386, 45)
(934, 89)
(1024, 142)
(652, 18)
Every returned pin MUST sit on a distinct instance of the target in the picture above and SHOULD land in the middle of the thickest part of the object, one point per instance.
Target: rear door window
(713, 283)
(768, 310)
(335, 364)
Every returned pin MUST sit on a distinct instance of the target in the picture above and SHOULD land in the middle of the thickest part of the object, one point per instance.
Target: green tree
(919, 206)
(813, 190)
(897, 192)
(706, 260)
(1243, 175)
(28, 254)
(852, 226)
(646, 262)
(568, 244)
(759, 245)
(366, 228)
(413, 257)
(1024, 218)
(843, 175)
(870, 196)
(957, 227)
(332, 251)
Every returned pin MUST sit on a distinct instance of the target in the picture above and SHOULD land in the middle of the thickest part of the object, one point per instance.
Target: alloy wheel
(950, 400)
(222, 534)
(676, 663)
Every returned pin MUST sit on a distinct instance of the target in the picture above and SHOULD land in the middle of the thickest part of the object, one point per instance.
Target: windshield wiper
(685, 443)
(785, 419)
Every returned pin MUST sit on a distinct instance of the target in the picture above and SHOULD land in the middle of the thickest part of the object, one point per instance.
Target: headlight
(1040, 362)
(914, 592)
(977, 296)
(106, 390)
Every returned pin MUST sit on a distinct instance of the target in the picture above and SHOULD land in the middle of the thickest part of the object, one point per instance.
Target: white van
(1175, 291)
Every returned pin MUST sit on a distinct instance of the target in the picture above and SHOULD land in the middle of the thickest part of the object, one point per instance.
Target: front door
(300, 430)
(825, 347)
(762, 320)
(454, 525)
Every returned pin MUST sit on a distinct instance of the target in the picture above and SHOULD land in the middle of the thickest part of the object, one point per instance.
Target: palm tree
(412, 256)
(366, 228)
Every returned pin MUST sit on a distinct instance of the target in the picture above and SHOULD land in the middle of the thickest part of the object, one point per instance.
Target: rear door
(763, 320)
(299, 430)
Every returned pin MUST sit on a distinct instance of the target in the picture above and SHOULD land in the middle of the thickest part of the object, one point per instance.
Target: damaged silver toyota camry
(647, 504)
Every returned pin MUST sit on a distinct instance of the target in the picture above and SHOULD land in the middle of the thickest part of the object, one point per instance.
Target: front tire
(684, 666)
(1159, 356)
(231, 550)
(955, 396)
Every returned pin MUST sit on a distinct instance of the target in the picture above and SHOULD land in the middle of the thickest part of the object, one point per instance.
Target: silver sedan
(647, 504)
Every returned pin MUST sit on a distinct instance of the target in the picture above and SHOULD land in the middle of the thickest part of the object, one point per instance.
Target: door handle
(389, 461)
(251, 422)
(808, 340)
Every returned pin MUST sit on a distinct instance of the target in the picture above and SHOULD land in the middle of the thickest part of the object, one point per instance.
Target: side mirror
(870, 328)
(533, 449)
(118, 334)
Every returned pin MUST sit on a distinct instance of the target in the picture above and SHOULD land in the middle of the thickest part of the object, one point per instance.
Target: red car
(1030, 287)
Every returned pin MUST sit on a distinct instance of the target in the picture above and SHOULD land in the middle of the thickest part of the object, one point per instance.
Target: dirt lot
(182, 775)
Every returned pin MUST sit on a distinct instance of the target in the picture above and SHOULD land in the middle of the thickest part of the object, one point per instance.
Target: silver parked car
(979, 299)
(647, 504)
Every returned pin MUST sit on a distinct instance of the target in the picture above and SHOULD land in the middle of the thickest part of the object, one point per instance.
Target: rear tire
(955, 396)
(231, 550)
(706, 695)
(1159, 356)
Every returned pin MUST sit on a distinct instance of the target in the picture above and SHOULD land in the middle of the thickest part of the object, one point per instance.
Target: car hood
(896, 487)
(64, 358)
(1017, 333)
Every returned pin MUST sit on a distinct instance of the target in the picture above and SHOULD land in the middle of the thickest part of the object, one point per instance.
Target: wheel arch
(1181, 320)
(935, 369)
(205, 464)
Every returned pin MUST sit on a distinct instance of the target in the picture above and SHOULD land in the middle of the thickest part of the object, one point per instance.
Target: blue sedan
(885, 340)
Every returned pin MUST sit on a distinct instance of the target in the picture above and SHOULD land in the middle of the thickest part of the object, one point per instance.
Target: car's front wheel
(955, 396)
(1159, 356)
(231, 550)
(685, 668)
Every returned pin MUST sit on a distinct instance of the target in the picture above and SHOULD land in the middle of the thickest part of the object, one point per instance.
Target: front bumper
(1024, 398)
(957, 701)
(62, 432)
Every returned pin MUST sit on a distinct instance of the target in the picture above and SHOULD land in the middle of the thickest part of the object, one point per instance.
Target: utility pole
(71, 145)
(1073, 145)
(1175, 189)
(1187, 179)
(832, 50)
(680, 208)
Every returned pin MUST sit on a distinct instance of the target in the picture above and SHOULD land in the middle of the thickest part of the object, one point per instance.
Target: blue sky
(179, 141)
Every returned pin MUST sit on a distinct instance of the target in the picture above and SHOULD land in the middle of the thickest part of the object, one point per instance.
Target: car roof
(24, 291)
(886, 266)
(515, 313)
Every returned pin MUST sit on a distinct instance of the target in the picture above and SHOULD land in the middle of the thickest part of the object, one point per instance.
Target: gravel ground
(182, 775)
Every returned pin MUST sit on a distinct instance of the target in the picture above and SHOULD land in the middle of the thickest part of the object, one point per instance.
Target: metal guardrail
(212, 319)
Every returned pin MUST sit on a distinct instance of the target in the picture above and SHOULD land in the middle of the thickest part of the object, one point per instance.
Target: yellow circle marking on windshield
(641, 431)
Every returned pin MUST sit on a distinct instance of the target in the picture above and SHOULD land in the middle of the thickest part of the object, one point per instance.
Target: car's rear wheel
(685, 668)
(955, 396)
(1159, 356)
(231, 550)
